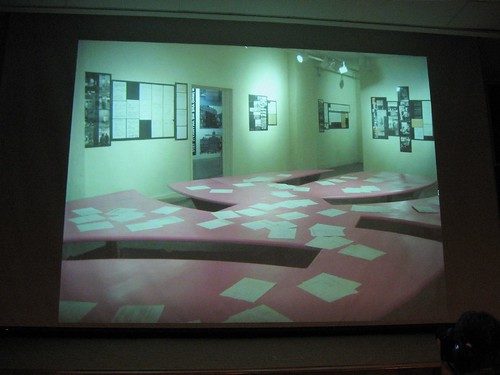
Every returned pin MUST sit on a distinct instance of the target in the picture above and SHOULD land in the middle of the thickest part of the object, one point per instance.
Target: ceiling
(458, 17)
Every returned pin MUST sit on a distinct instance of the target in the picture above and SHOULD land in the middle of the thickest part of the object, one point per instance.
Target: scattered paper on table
(214, 224)
(244, 184)
(251, 212)
(349, 177)
(374, 179)
(331, 212)
(121, 211)
(283, 194)
(248, 289)
(328, 243)
(221, 191)
(361, 251)
(154, 223)
(292, 215)
(74, 311)
(129, 216)
(258, 224)
(325, 182)
(87, 219)
(295, 203)
(258, 314)
(166, 210)
(198, 187)
(264, 206)
(98, 225)
(325, 230)
(229, 214)
(281, 232)
(329, 288)
(87, 211)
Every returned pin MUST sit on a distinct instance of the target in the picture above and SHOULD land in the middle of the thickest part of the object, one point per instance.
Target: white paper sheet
(216, 223)
(166, 210)
(99, 225)
(328, 243)
(198, 187)
(325, 230)
(229, 214)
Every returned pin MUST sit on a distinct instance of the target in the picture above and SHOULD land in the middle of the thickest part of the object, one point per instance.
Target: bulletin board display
(408, 119)
(333, 115)
(97, 109)
(258, 105)
(142, 110)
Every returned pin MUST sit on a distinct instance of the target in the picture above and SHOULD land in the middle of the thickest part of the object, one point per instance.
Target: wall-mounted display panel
(333, 115)
(257, 108)
(142, 110)
(181, 111)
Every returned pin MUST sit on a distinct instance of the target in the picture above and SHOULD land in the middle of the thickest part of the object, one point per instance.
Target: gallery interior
(238, 184)
(334, 114)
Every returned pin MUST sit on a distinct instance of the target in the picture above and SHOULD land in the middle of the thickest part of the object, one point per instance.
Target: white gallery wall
(334, 147)
(149, 166)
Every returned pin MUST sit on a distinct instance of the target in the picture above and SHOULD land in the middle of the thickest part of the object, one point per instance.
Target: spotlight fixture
(300, 58)
(343, 69)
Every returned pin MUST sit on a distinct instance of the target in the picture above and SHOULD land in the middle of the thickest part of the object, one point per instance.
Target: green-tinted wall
(149, 166)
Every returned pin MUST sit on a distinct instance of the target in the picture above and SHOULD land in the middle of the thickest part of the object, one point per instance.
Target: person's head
(472, 344)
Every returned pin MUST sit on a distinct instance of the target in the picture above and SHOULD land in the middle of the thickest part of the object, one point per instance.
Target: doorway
(210, 119)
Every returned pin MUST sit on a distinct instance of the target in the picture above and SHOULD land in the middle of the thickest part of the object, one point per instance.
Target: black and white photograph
(257, 112)
(403, 93)
(97, 109)
(393, 118)
(211, 143)
(210, 109)
(405, 144)
(379, 118)
(321, 115)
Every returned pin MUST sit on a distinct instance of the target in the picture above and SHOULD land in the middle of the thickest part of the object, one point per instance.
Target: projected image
(329, 225)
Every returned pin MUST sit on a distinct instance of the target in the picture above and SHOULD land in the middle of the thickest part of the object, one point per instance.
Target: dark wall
(35, 116)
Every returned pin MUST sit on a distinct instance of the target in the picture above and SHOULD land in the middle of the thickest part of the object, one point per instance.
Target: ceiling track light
(343, 69)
